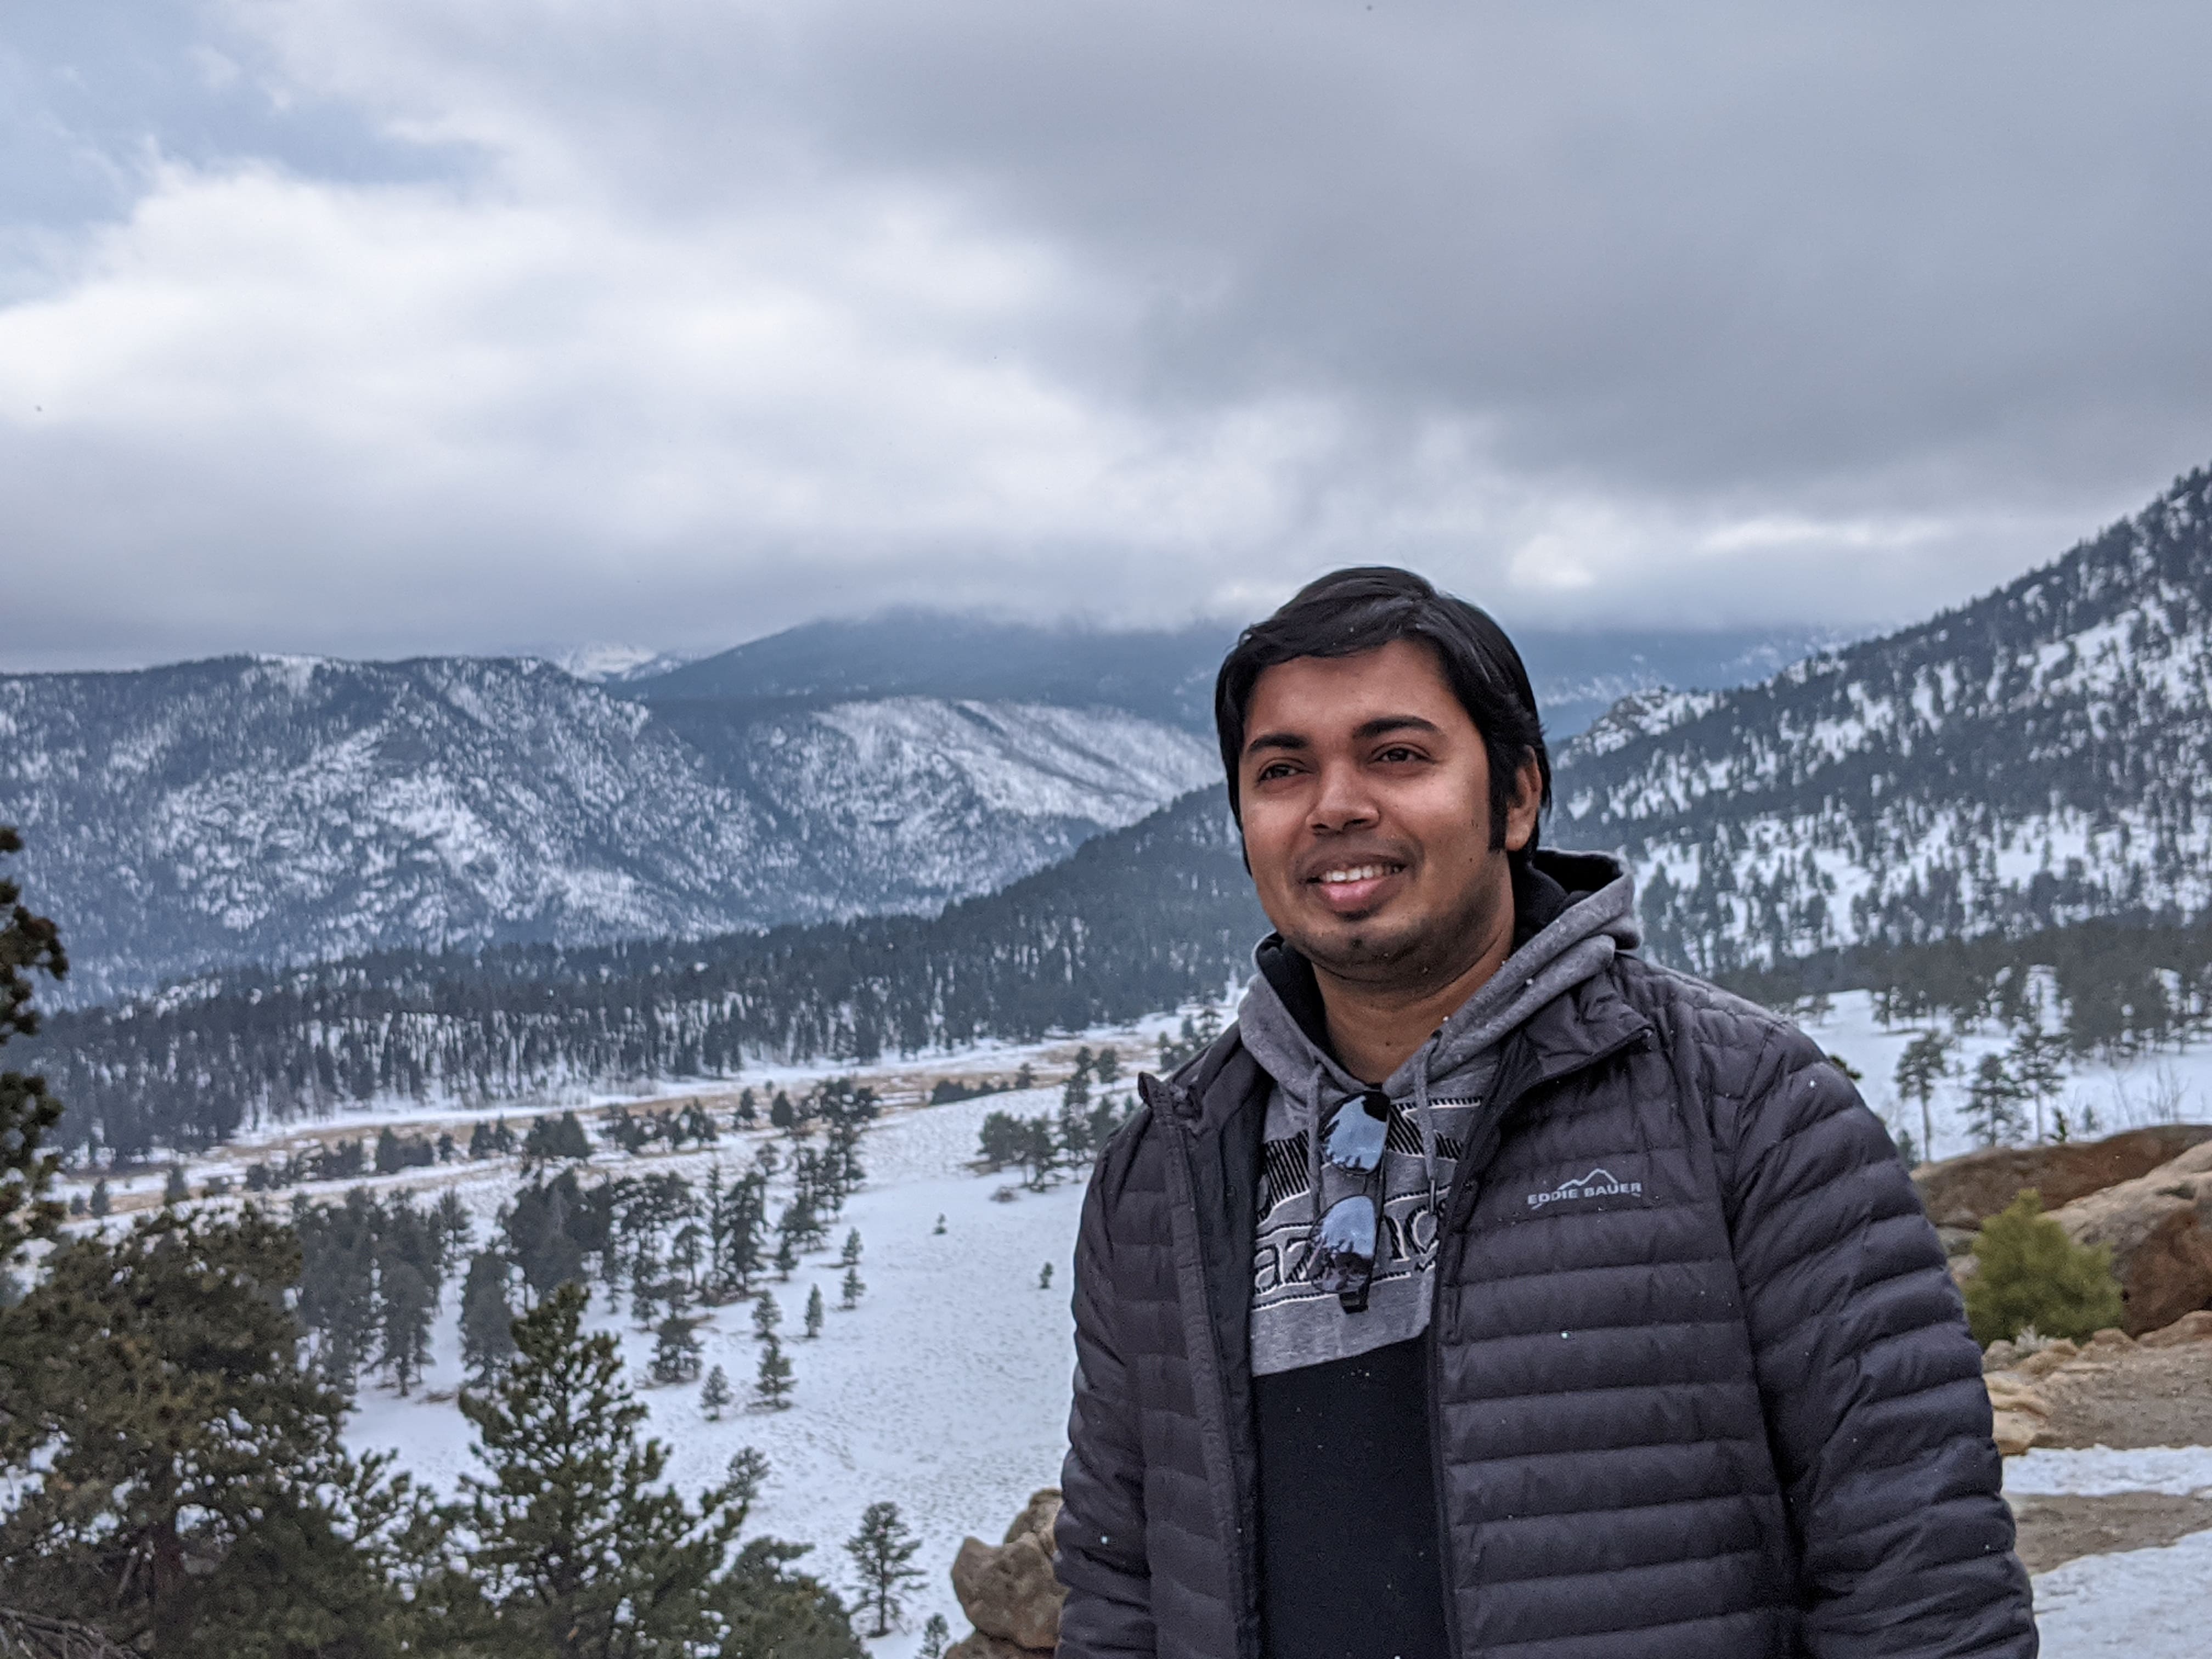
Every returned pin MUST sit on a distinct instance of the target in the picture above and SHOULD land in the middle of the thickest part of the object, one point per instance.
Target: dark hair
(1365, 609)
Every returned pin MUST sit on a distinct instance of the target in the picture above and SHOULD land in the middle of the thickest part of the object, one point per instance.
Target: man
(1486, 1289)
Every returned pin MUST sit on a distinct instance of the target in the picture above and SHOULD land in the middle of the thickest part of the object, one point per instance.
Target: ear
(1528, 798)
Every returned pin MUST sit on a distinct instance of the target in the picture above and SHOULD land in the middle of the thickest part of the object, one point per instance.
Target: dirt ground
(2056, 1529)
(2146, 1397)
(2142, 1397)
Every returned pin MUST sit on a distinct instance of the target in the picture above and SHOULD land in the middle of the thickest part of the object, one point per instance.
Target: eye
(1398, 752)
(1273, 770)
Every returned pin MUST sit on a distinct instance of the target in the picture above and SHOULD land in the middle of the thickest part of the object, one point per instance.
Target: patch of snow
(2145, 1604)
(2101, 1472)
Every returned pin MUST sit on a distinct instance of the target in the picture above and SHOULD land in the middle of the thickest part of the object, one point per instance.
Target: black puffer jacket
(1728, 1409)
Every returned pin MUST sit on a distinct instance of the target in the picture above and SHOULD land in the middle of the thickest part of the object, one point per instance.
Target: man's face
(1366, 806)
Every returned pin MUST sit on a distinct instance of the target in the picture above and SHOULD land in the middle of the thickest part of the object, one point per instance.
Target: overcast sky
(383, 326)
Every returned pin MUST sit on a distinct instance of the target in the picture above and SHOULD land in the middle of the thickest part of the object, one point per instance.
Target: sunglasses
(1344, 1246)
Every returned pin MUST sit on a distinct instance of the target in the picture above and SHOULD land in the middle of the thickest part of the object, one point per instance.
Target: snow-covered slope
(270, 808)
(2041, 755)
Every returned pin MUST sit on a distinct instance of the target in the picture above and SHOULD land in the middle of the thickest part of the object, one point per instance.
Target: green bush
(2029, 1273)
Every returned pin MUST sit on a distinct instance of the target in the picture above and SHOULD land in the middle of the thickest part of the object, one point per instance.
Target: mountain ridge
(2038, 755)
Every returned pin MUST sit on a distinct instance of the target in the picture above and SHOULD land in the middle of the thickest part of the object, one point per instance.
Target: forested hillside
(2039, 757)
(273, 810)
(1142, 919)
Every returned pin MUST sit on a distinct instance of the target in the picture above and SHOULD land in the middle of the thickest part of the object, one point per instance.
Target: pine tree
(487, 1320)
(772, 1383)
(852, 1287)
(814, 1311)
(28, 944)
(768, 1315)
(577, 1546)
(2029, 1273)
(935, 1632)
(1106, 1066)
(1044, 1277)
(1993, 1103)
(940, 1228)
(176, 1190)
(101, 1203)
(851, 1255)
(337, 1282)
(882, 1550)
(456, 1228)
(2038, 1067)
(1925, 1062)
(407, 1305)
(645, 1288)
(196, 1497)
(775, 1613)
(714, 1395)
(787, 1259)
(676, 1353)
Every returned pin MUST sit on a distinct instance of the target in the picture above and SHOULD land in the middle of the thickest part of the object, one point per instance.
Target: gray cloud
(394, 326)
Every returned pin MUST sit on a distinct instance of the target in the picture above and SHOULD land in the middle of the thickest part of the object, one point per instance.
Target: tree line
(1149, 918)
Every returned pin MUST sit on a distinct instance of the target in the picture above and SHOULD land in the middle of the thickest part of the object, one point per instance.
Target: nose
(1343, 802)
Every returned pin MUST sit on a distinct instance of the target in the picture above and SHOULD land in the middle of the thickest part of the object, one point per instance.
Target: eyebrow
(1381, 726)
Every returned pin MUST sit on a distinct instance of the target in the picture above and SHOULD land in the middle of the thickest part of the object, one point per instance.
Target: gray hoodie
(1432, 1096)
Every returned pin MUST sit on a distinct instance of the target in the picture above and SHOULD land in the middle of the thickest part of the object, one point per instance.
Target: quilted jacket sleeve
(1879, 1420)
(1100, 1535)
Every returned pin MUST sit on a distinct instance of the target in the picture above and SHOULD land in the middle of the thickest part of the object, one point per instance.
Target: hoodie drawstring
(1424, 1119)
(1313, 1144)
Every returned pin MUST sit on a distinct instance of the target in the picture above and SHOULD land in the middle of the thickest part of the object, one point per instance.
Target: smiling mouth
(1357, 873)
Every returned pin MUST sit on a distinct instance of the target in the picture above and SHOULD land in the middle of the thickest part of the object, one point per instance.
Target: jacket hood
(1572, 914)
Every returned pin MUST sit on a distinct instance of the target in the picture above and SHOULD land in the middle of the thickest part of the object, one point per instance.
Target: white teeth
(1363, 872)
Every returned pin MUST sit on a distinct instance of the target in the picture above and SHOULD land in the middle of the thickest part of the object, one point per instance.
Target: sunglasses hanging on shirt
(1345, 1244)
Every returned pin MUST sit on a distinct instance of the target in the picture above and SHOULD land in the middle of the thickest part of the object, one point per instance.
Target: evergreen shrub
(2030, 1274)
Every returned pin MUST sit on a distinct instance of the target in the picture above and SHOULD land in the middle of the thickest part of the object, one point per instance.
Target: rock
(2017, 1411)
(1037, 1518)
(2011, 1392)
(2014, 1433)
(2111, 1337)
(1964, 1192)
(2047, 1359)
(2159, 1228)
(1009, 1591)
(976, 1645)
(2189, 1327)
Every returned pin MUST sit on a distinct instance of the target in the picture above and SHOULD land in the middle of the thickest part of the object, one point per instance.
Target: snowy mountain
(262, 810)
(607, 664)
(1163, 674)
(2037, 757)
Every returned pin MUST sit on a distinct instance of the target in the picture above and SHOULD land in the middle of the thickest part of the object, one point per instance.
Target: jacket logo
(1598, 1183)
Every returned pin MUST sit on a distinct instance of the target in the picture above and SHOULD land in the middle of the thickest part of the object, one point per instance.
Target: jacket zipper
(1190, 1270)
(1464, 1183)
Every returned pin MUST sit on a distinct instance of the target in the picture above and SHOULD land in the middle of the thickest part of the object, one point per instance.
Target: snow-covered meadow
(945, 1390)
(2097, 1097)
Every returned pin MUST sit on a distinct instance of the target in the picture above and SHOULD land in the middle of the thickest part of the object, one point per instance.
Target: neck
(1375, 1028)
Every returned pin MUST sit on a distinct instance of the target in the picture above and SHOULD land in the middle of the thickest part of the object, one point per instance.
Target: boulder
(1964, 1192)
(2159, 1228)
(2047, 1359)
(1037, 1518)
(1008, 1590)
(2017, 1411)
(976, 1645)
(2189, 1327)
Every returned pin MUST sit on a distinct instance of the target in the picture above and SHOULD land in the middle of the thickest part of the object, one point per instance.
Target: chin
(1353, 943)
